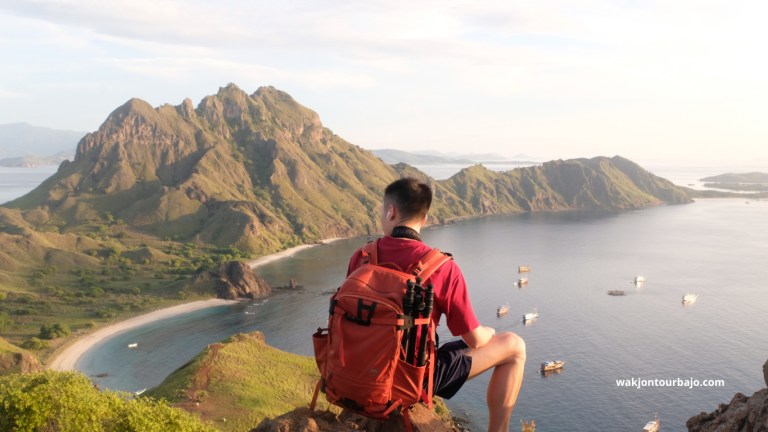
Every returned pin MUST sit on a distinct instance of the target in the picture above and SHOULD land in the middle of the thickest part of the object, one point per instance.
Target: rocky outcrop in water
(742, 414)
(304, 420)
(235, 280)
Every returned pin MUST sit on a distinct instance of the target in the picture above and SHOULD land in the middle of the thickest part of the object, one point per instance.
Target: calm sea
(15, 182)
(714, 248)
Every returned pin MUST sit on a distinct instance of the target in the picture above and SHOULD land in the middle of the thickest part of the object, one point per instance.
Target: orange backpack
(359, 354)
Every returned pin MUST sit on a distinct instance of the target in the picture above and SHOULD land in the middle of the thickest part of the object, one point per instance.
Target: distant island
(431, 157)
(739, 186)
(753, 177)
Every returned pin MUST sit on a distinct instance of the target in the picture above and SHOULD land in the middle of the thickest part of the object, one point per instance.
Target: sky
(552, 79)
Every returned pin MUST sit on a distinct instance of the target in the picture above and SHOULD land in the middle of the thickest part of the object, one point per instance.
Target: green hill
(159, 194)
(243, 380)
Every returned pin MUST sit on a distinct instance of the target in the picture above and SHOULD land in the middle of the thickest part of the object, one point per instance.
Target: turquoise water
(715, 248)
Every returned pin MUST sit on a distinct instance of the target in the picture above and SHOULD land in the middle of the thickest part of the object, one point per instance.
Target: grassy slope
(246, 381)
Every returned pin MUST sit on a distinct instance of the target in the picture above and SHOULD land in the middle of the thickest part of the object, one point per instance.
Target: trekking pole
(418, 305)
(429, 298)
(407, 309)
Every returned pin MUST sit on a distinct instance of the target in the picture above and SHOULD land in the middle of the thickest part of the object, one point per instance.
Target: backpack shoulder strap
(428, 263)
(370, 252)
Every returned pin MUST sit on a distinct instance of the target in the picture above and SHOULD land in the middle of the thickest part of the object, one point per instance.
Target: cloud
(544, 71)
(5, 94)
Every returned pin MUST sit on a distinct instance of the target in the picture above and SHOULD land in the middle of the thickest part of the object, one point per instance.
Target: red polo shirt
(451, 297)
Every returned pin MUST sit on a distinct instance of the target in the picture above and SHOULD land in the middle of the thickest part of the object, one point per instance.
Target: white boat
(531, 315)
(690, 297)
(139, 392)
(640, 278)
(522, 281)
(652, 426)
(133, 345)
(502, 309)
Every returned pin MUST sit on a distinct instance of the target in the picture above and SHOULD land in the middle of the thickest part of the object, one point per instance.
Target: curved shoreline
(258, 262)
(69, 357)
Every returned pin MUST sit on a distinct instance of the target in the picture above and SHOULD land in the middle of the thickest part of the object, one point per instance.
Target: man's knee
(514, 346)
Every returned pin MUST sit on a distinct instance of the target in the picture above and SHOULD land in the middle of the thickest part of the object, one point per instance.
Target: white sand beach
(286, 253)
(67, 359)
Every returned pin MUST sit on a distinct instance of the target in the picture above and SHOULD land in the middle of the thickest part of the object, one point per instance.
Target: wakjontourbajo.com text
(689, 383)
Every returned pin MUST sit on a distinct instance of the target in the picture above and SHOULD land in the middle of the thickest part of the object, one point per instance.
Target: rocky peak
(186, 109)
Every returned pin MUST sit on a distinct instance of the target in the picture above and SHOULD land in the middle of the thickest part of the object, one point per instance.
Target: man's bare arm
(479, 336)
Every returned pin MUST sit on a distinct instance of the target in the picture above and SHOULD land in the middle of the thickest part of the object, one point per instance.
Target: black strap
(359, 318)
(405, 232)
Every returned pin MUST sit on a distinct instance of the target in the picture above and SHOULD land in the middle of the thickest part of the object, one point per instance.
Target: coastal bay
(576, 257)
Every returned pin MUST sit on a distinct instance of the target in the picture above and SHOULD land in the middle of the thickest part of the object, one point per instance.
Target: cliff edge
(742, 414)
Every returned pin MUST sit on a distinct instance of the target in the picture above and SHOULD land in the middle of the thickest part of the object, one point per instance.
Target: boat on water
(552, 365)
(617, 293)
(639, 278)
(690, 297)
(133, 345)
(652, 426)
(139, 392)
(522, 281)
(531, 315)
(502, 309)
(523, 269)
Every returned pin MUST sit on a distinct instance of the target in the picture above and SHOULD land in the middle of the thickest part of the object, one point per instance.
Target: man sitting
(403, 213)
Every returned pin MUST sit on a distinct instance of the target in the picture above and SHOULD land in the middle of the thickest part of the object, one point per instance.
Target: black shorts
(451, 369)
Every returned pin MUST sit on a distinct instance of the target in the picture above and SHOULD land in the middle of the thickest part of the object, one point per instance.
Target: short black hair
(411, 197)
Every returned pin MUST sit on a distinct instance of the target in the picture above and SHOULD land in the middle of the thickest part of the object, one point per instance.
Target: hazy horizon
(552, 79)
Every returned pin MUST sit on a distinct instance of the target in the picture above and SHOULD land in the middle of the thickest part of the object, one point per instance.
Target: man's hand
(479, 336)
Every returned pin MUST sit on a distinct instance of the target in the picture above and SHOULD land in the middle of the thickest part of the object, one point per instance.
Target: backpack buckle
(407, 322)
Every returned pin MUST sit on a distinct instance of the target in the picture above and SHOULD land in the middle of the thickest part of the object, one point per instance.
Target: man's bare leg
(505, 353)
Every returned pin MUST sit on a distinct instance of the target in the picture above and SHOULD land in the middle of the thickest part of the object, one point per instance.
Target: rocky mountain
(23, 139)
(260, 172)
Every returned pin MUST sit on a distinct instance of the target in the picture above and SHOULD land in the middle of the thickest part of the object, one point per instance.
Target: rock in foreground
(742, 414)
(303, 420)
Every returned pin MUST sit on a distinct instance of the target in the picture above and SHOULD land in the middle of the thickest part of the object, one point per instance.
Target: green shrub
(3, 296)
(31, 344)
(136, 291)
(67, 400)
(106, 313)
(95, 292)
(5, 322)
(90, 324)
(26, 311)
(27, 299)
(182, 295)
(53, 331)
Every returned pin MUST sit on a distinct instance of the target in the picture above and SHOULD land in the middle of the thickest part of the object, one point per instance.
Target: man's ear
(424, 220)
